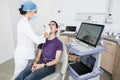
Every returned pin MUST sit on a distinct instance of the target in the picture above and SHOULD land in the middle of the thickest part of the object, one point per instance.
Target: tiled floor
(6, 71)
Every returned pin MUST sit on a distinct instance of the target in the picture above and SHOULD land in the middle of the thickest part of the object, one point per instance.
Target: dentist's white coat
(26, 39)
(25, 49)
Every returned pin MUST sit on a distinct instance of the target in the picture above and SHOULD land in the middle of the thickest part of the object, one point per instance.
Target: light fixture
(108, 19)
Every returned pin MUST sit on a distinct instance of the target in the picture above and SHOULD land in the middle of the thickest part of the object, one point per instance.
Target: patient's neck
(51, 36)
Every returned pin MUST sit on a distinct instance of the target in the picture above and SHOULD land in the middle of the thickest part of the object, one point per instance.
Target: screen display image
(88, 60)
(90, 33)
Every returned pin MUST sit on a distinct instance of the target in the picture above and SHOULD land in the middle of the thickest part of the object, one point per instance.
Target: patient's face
(52, 26)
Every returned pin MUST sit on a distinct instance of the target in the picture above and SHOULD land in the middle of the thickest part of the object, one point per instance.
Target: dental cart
(82, 50)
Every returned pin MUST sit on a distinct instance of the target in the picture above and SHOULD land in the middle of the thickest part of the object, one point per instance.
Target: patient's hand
(34, 67)
(39, 66)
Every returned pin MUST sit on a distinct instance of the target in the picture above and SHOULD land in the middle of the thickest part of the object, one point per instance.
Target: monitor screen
(71, 28)
(88, 60)
(90, 33)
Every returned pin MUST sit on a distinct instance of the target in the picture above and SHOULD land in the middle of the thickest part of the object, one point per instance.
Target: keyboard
(82, 46)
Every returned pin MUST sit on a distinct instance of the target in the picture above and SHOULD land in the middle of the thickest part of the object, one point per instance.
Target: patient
(47, 57)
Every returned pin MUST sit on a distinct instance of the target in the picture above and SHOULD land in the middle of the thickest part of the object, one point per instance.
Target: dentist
(26, 38)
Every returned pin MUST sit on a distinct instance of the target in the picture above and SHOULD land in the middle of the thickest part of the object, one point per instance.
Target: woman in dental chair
(47, 57)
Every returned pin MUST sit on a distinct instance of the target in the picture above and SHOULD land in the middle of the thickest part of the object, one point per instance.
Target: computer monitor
(90, 33)
(71, 28)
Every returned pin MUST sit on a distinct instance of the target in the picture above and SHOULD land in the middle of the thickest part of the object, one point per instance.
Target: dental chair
(61, 67)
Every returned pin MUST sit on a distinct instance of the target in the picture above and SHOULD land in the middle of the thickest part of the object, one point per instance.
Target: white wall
(9, 18)
(6, 36)
(116, 16)
(69, 9)
(47, 11)
(44, 15)
(14, 17)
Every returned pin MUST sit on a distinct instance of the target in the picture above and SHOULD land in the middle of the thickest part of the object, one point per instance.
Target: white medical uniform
(25, 49)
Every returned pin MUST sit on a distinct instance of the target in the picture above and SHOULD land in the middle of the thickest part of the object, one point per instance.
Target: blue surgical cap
(29, 6)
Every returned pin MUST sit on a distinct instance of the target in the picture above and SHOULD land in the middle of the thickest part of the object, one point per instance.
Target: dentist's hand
(47, 32)
(47, 29)
(46, 35)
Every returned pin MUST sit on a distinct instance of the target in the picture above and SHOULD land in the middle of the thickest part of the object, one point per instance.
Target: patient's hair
(55, 23)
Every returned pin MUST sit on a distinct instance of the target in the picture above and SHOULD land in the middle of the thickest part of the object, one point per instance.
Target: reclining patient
(47, 57)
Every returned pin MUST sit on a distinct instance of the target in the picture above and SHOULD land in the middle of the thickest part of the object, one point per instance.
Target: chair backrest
(64, 56)
(64, 60)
